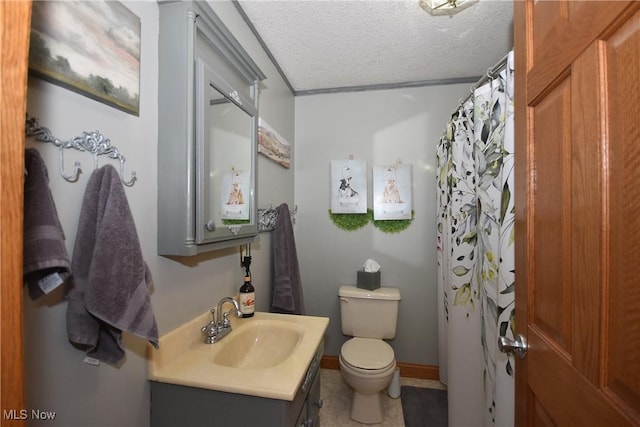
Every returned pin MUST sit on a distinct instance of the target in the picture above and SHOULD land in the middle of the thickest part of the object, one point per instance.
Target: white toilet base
(367, 408)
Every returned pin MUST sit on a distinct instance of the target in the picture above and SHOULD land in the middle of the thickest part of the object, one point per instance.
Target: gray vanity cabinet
(178, 405)
(207, 133)
(175, 405)
(310, 414)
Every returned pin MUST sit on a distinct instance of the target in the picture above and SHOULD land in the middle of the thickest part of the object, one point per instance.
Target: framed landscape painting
(273, 145)
(90, 47)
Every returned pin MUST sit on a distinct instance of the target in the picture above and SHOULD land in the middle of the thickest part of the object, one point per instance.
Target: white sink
(266, 355)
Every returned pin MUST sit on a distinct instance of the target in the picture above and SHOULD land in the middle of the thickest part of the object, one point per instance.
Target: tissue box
(368, 280)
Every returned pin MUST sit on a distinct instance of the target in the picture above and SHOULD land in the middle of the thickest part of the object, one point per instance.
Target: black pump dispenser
(247, 291)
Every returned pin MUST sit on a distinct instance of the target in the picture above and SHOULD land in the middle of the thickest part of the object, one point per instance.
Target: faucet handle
(226, 323)
(210, 330)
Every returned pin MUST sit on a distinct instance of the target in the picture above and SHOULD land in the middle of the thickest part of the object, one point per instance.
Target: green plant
(351, 222)
(235, 221)
(394, 225)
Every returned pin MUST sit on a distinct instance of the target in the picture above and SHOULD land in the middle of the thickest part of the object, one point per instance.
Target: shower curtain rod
(491, 72)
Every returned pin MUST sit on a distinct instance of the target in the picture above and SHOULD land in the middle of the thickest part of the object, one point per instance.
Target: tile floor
(336, 396)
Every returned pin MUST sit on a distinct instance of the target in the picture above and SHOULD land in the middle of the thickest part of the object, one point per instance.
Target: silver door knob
(519, 346)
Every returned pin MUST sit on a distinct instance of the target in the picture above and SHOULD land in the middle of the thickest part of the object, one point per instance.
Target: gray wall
(379, 127)
(56, 377)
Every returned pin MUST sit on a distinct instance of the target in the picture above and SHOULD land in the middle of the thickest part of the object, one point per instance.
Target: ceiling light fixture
(445, 7)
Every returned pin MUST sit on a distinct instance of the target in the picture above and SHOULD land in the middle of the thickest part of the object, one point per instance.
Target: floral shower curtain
(475, 239)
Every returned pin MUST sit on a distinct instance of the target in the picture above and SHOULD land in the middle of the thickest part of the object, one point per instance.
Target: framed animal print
(235, 192)
(348, 186)
(392, 192)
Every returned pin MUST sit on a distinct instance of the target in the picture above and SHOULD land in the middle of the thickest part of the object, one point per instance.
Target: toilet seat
(367, 355)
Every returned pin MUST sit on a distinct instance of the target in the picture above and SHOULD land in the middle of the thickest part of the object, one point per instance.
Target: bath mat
(424, 406)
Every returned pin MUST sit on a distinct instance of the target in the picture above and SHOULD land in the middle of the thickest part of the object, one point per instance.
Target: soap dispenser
(247, 297)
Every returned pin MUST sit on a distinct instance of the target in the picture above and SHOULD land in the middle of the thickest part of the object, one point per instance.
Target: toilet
(367, 363)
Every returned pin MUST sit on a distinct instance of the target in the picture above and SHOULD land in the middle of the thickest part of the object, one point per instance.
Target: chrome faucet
(236, 307)
(220, 326)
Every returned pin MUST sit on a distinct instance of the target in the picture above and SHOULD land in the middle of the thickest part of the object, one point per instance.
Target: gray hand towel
(111, 280)
(45, 260)
(286, 296)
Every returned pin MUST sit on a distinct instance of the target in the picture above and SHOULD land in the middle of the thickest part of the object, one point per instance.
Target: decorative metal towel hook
(76, 168)
(93, 142)
(133, 179)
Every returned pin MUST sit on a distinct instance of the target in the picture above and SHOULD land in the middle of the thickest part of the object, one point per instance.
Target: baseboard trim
(329, 362)
(411, 370)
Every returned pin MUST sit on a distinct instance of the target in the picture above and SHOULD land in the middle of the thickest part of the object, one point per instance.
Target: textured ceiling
(324, 45)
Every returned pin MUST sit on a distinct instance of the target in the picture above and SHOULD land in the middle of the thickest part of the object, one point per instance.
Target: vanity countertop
(184, 359)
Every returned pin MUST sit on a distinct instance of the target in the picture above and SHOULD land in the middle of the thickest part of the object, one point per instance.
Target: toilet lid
(367, 353)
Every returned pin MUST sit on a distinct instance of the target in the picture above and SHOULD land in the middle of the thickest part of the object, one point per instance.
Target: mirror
(226, 158)
(230, 160)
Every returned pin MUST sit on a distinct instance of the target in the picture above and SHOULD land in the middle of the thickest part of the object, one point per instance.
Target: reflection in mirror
(230, 143)
(230, 158)
(226, 152)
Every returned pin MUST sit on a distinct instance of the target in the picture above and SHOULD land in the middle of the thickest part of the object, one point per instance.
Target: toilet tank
(369, 314)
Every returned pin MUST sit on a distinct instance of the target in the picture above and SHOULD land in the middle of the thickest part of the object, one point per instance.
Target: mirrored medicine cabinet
(207, 133)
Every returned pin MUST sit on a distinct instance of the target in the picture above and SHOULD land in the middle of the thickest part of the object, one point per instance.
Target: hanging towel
(286, 295)
(111, 280)
(45, 259)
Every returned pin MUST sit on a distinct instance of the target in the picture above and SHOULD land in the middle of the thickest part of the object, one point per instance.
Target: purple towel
(45, 260)
(286, 294)
(111, 280)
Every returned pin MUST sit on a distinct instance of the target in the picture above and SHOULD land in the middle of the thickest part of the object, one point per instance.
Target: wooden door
(577, 212)
(15, 18)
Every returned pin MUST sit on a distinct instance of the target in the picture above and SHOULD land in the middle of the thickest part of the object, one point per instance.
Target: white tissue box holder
(368, 279)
